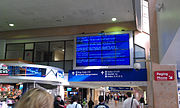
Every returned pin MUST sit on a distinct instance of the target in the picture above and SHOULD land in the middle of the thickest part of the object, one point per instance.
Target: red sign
(164, 75)
(4, 74)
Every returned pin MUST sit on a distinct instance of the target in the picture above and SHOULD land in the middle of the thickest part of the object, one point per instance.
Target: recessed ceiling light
(62, 49)
(114, 19)
(11, 25)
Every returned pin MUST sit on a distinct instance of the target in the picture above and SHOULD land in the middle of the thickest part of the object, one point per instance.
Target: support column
(96, 96)
(163, 94)
(88, 94)
(61, 91)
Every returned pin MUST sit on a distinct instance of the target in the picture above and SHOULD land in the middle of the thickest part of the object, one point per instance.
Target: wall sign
(107, 75)
(164, 75)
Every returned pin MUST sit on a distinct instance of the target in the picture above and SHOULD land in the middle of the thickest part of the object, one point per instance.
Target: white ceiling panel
(30, 14)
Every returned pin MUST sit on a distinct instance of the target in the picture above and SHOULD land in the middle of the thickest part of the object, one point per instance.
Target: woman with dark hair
(74, 103)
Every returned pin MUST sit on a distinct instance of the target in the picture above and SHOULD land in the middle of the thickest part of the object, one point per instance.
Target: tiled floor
(113, 105)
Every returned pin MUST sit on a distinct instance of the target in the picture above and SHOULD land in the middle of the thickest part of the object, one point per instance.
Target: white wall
(2, 49)
(172, 56)
(168, 19)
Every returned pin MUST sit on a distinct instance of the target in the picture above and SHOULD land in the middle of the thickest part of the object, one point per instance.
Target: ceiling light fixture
(11, 25)
(62, 49)
(114, 19)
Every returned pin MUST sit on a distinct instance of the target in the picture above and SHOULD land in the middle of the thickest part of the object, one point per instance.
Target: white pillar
(62, 92)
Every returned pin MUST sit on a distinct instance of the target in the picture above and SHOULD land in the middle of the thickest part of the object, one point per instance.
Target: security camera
(159, 6)
(137, 66)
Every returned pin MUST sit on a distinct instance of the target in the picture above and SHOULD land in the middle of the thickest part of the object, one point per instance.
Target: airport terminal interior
(89, 54)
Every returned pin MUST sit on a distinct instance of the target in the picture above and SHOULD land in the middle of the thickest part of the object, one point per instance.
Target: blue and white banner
(107, 75)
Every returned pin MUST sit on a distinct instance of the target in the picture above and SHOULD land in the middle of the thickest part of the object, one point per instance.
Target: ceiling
(31, 14)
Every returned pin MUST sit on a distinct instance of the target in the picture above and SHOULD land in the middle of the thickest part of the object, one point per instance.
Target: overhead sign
(120, 88)
(107, 75)
(103, 50)
(164, 75)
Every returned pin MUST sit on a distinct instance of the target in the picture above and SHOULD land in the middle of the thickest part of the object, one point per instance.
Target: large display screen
(26, 71)
(103, 50)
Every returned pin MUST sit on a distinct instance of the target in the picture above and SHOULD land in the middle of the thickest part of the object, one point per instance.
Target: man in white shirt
(130, 102)
(74, 103)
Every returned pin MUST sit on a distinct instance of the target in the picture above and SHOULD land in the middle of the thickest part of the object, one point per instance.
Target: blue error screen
(104, 50)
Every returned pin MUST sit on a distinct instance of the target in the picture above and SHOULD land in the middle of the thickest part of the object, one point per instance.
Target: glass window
(41, 63)
(139, 52)
(29, 46)
(59, 64)
(140, 56)
(56, 51)
(28, 56)
(41, 52)
(15, 51)
(69, 50)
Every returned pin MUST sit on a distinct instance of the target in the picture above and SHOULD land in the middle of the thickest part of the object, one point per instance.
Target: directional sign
(164, 75)
(107, 75)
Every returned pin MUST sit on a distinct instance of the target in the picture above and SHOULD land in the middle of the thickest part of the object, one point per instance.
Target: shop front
(71, 91)
(16, 79)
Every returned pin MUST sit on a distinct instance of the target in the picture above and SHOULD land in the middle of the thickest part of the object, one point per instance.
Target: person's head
(101, 99)
(74, 99)
(35, 98)
(128, 94)
(17, 99)
(19, 92)
(58, 98)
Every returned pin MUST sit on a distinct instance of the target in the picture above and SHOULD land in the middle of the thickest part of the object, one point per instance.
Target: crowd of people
(38, 98)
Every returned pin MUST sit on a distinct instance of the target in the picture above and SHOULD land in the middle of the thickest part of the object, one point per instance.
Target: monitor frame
(131, 49)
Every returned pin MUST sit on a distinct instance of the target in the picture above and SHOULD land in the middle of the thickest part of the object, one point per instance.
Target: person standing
(90, 103)
(101, 103)
(74, 103)
(107, 98)
(120, 97)
(130, 102)
(116, 99)
(142, 102)
(58, 103)
(84, 103)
